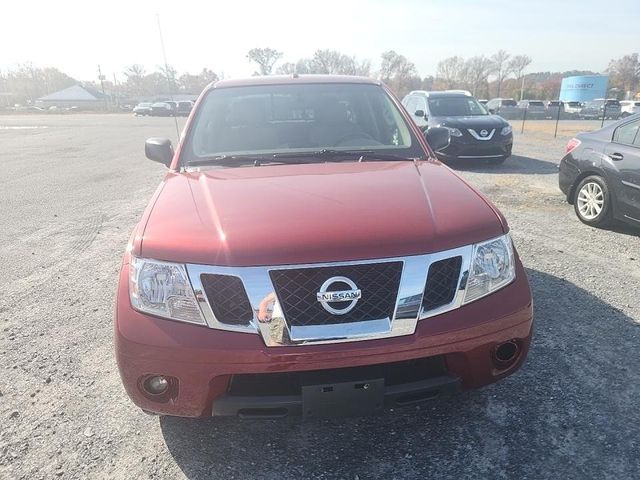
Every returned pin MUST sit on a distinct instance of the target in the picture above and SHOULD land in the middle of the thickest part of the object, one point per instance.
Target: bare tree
(27, 83)
(327, 62)
(135, 79)
(477, 70)
(331, 62)
(266, 58)
(171, 75)
(625, 72)
(500, 67)
(363, 68)
(301, 66)
(398, 72)
(287, 68)
(196, 83)
(517, 65)
(154, 84)
(135, 70)
(427, 83)
(334, 62)
(450, 72)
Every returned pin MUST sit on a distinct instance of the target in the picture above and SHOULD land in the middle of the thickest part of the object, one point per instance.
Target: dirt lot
(72, 191)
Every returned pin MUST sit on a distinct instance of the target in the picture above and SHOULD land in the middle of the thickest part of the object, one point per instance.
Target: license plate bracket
(341, 399)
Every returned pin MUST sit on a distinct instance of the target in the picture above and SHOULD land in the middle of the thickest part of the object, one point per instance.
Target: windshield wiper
(229, 160)
(328, 154)
(296, 157)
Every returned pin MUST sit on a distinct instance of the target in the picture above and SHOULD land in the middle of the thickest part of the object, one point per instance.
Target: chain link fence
(564, 118)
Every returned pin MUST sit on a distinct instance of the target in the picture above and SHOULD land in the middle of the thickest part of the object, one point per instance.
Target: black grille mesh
(442, 282)
(297, 288)
(227, 298)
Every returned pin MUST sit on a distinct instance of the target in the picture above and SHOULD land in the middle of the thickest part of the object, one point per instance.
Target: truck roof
(291, 80)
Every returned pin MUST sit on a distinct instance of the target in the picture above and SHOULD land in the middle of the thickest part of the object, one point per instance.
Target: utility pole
(102, 78)
(115, 90)
(522, 87)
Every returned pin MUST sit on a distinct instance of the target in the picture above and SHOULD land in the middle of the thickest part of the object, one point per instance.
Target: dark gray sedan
(600, 174)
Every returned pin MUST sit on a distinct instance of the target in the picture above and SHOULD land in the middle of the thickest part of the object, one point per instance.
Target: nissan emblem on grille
(326, 297)
(484, 133)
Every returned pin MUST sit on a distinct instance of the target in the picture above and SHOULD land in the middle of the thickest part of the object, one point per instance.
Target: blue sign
(584, 88)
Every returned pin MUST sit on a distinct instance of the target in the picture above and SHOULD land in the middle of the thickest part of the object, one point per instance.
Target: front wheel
(592, 202)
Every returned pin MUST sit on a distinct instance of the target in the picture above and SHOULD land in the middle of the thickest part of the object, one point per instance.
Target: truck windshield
(285, 119)
(455, 107)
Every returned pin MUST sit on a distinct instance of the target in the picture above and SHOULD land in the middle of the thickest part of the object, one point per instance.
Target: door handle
(616, 156)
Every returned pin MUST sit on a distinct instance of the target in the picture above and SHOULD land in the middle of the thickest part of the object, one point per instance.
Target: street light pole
(101, 77)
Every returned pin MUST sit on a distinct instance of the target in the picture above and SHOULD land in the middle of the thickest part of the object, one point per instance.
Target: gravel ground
(71, 192)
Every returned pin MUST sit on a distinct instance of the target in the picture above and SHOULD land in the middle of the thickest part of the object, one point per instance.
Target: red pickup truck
(306, 254)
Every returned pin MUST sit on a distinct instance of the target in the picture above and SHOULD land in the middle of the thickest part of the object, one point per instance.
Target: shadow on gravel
(515, 164)
(571, 412)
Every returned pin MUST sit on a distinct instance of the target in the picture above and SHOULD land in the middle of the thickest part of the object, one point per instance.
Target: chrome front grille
(228, 298)
(442, 283)
(297, 288)
(283, 303)
(482, 134)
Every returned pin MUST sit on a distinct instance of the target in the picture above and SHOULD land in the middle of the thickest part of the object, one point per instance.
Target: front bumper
(467, 147)
(203, 360)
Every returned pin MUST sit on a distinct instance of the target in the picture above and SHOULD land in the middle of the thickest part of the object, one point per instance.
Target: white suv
(629, 107)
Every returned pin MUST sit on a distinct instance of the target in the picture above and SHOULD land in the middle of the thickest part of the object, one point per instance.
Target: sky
(77, 36)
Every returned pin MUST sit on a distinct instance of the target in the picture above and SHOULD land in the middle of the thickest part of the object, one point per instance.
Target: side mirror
(437, 137)
(159, 150)
(420, 113)
(492, 111)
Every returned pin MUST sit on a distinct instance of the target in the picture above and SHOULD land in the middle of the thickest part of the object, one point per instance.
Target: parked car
(475, 134)
(629, 107)
(30, 108)
(572, 109)
(266, 276)
(535, 109)
(184, 108)
(600, 174)
(163, 109)
(554, 109)
(600, 107)
(142, 109)
(505, 107)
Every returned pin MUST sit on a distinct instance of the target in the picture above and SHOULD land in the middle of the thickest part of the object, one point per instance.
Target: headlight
(492, 267)
(506, 130)
(454, 132)
(163, 289)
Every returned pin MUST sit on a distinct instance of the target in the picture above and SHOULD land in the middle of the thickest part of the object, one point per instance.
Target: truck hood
(290, 214)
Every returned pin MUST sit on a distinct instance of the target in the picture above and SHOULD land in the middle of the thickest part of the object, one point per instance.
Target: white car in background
(629, 107)
(572, 109)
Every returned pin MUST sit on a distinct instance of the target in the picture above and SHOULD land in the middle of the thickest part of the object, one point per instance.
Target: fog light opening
(155, 385)
(506, 354)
